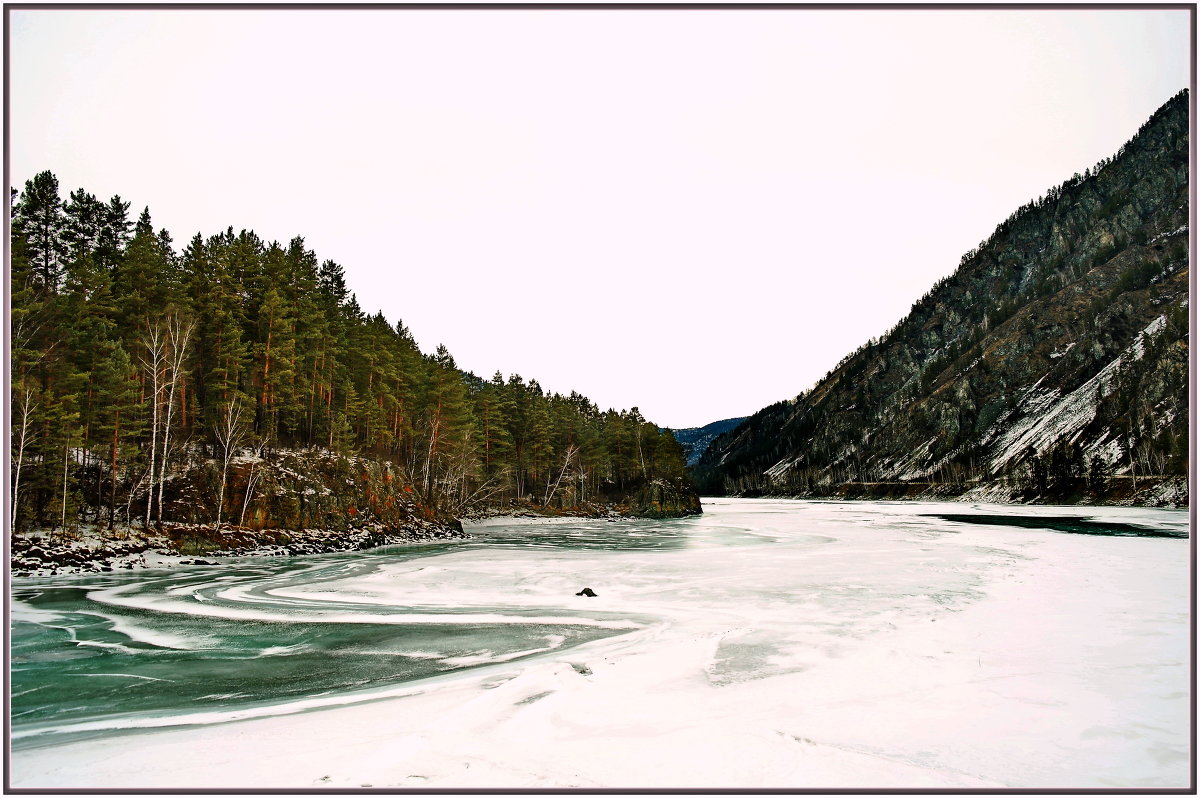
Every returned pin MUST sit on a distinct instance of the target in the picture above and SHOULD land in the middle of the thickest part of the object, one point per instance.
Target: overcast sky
(698, 212)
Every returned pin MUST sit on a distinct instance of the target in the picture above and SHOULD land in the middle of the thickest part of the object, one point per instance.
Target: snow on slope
(1047, 416)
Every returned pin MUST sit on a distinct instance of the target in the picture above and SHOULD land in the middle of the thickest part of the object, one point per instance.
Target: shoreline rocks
(43, 554)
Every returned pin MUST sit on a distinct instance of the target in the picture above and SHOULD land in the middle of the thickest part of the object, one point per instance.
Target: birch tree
(569, 457)
(230, 435)
(154, 360)
(25, 407)
(178, 334)
(252, 480)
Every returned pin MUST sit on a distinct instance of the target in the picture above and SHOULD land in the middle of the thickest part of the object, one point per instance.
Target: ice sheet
(791, 644)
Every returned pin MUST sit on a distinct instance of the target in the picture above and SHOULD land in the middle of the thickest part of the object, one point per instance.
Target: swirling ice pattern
(93, 654)
(96, 653)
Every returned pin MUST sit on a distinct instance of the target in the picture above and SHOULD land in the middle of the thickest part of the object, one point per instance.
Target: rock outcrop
(664, 498)
(301, 489)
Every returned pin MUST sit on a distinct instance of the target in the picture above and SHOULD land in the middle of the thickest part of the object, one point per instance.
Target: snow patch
(1171, 234)
(1055, 355)
(1048, 416)
(909, 468)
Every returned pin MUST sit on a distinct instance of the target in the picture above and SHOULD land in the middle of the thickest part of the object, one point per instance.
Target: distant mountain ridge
(695, 440)
(1051, 366)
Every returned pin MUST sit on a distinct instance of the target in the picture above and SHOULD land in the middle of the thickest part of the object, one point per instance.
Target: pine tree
(143, 284)
(40, 221)
(113, 422)
(445, 432)
(296, 402)
(539, 443)
(83, 222)
(115, 230)
(274, 354)
(493, 406)
(220, 354)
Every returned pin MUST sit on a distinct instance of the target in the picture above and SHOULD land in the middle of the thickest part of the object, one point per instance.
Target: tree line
(131, 359)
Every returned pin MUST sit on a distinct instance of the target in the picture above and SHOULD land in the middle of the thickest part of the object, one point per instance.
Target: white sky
(697, 212)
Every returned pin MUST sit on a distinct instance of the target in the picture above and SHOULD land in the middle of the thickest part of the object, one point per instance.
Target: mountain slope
(1052, 365)
(695, 440)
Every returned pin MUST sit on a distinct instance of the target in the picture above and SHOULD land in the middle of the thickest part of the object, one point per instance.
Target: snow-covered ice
(789, 644)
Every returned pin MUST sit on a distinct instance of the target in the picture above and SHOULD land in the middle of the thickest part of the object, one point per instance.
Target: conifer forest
(153, 382)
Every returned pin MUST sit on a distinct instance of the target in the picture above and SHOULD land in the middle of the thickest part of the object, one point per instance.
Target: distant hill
(696, 439)
(1051, 366)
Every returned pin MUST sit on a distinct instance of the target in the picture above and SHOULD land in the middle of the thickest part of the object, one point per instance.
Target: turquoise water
(100, 652)
(871, 627)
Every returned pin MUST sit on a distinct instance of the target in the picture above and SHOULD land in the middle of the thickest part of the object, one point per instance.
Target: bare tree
(446, 469)
(484, 492)
(429, 477)
(133, 490)
(154, 361)
(637, 426)
(230, 435)
(568, 457)
(66, 461)
(24, 407)
(251, 482)
(178, 333)
(1129, 446)
(22, 331)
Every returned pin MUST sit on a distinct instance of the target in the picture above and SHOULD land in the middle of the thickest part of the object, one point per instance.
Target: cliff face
(1052, 365)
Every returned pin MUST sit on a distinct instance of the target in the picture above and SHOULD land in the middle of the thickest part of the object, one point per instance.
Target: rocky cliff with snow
(1051, 366)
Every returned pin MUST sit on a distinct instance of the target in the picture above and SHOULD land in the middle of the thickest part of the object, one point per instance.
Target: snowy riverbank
(777, 644)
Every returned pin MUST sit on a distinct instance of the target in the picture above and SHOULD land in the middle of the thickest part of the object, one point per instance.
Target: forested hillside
(209, 383)
(1051, 366)
(695, 440)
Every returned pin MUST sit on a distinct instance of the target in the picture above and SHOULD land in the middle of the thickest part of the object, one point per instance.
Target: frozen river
(765, 644)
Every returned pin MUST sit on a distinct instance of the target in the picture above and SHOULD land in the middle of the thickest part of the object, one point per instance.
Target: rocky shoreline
(90, 550)
(87, 551)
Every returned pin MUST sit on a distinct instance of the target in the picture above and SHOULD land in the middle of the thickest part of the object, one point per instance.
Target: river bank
(92, 549)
